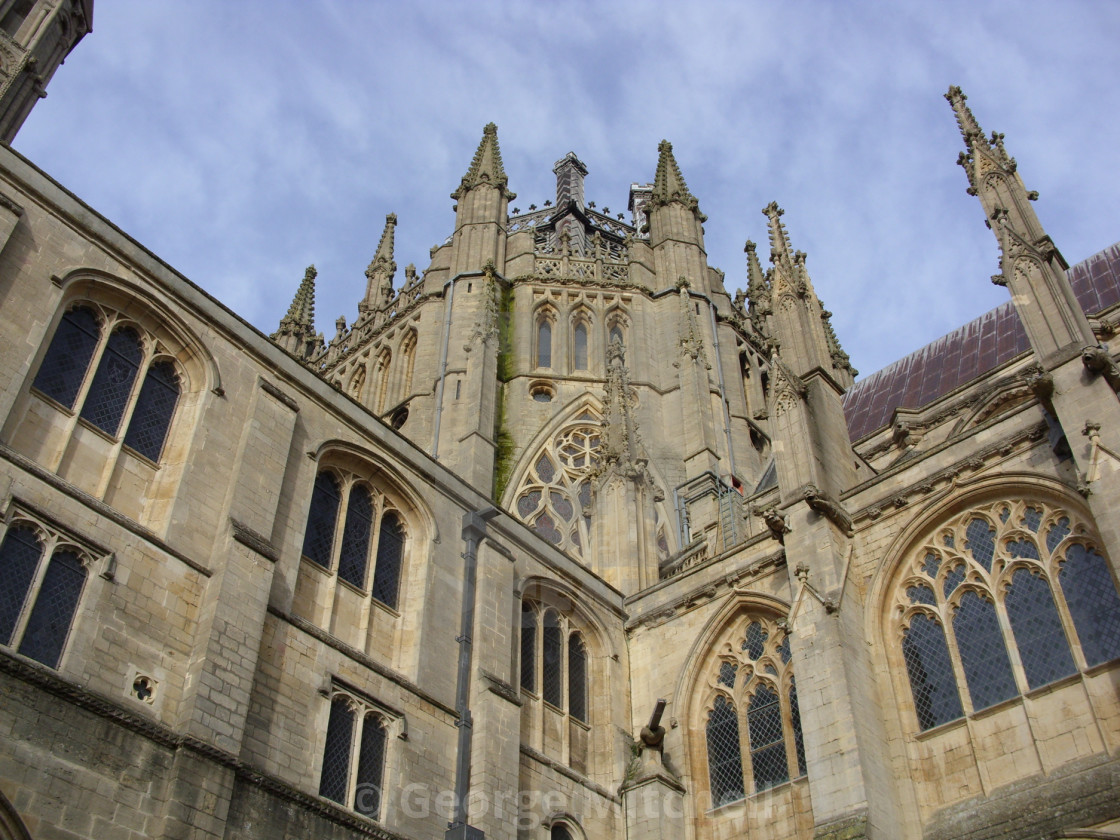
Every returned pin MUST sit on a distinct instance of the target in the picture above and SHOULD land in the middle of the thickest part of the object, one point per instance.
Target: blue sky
(242, 141)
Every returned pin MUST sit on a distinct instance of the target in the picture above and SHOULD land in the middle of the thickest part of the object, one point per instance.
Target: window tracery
(554, 497)
(752, 725)
(1005, 598)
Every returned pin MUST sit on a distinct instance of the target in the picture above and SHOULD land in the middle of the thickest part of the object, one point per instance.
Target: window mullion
(745, 761)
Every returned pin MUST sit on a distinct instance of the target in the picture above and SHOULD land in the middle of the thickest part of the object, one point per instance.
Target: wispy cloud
(242, 141)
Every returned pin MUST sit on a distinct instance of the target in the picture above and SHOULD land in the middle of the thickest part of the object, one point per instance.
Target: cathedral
(558, 539)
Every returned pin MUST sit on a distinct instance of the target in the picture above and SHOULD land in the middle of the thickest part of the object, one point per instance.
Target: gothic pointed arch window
(115, 374)
(555, 677)
(581, 330)
(381, 379)
(995, 602)
(340, 535)
(751, 720)
(407, 363)
(544, 327)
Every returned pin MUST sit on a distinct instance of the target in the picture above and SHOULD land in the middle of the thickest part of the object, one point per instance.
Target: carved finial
(381, 270)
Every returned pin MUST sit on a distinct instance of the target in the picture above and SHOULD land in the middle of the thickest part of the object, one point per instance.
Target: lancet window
(554, 496)
(1001, 600)
(354, 755)
(579, 344)
(115, 374)
(341, 535)
(752, 724)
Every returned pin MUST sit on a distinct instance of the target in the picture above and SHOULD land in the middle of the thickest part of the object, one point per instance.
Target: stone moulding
(564, 770)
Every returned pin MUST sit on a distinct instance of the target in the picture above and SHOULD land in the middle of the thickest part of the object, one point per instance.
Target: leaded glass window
(350, 557)
(371, 764)
(987, 669)
(354, 552)
(931, 672)
(112, 391)
(754, 686)
(1038, 632)
(151, 419)
(334, 780)
(41, 582)
(354, 753)
(544, 344)
(20, 554)
(1093, 603)
(552, 663)
(318, 539)
(528, 647)
(112, 383)
(768, 749)
(577, 678)
(1020, 568)
(725, 763)
(67, 360)
(390, 556)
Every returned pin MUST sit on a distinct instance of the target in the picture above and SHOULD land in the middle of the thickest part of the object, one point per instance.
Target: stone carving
(822, 503)
(1098, 360)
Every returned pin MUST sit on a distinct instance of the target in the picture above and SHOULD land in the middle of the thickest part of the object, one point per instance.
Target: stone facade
(557, 539)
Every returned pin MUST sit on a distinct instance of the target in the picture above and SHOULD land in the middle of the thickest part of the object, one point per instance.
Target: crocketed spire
(297, 329)
(669, 184)
(486, 167)
(301, 314)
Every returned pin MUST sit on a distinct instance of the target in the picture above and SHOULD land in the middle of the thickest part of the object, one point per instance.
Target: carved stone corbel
(821, 503)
